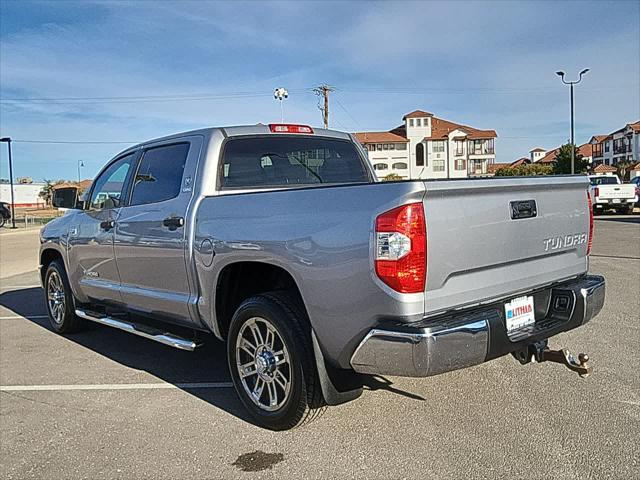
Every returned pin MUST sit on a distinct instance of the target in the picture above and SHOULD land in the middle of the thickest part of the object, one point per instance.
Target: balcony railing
(482, 151)
(621, 149)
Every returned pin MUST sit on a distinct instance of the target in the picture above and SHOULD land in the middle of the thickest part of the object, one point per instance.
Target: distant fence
(26, 220)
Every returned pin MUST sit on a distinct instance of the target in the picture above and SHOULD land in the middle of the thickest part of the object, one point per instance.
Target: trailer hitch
(540, 352)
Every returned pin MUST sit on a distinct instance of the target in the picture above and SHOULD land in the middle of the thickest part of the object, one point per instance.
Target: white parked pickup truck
(607, 191)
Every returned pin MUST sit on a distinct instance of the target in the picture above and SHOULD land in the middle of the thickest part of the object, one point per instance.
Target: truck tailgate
(479, 250)
(611, 192)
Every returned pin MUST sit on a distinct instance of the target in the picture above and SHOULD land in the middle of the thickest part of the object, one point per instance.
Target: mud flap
(338, 386)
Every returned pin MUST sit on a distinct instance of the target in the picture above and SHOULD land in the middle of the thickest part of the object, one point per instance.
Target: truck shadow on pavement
(206, 364)
(626, 219)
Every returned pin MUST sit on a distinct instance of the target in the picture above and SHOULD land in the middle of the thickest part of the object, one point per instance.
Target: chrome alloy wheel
(262, 360)
(55, 297)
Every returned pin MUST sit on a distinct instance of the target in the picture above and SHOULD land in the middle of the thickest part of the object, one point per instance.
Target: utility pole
(323, 91)
(7, 140)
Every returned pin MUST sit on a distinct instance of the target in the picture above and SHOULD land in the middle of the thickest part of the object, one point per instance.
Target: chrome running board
(141, 330)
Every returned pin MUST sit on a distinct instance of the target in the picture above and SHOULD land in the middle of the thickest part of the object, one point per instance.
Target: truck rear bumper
(467, 338)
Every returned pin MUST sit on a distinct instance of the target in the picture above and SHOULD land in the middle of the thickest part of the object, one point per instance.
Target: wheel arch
(240, 280)
(48, 255)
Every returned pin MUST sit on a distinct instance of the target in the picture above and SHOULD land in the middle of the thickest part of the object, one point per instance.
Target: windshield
(291, 160)
(604, 180)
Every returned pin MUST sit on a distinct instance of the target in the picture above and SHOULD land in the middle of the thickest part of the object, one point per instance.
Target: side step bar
(141, 330)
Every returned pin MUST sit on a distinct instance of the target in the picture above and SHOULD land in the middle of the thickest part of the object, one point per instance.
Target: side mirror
(65, 197)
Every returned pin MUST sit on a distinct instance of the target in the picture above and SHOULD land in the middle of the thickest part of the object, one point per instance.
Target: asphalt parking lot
(104, 404)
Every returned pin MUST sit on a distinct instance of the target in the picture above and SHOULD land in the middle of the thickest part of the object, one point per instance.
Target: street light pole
(80, 164)
(7, 140)
(280, 94)
(573, 145)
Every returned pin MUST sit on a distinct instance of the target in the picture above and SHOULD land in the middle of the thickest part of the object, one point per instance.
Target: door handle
(173, 222)
(107, 224)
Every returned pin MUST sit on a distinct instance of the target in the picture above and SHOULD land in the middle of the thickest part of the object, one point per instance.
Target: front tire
(59, 299)
(271, 361)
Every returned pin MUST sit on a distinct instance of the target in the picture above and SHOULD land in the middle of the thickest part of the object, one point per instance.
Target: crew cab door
(93, 273)
(151, 231)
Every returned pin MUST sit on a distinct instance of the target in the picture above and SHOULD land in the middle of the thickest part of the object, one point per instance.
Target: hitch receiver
(565, 357)
(540, 352)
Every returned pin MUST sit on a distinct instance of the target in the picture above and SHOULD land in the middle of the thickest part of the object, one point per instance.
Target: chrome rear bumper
(464, 339)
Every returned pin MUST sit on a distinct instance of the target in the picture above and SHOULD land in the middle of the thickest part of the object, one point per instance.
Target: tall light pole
(80, 164)
(573, 146)
(280, 94)
(7, 140)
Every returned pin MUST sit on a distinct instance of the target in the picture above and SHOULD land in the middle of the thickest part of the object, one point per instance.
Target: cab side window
(159, 175)
(108, 189)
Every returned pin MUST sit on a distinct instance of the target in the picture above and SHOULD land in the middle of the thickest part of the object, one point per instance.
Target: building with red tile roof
(426, 146)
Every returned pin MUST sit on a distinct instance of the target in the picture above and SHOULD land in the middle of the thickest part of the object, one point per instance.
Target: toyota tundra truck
(278, 241)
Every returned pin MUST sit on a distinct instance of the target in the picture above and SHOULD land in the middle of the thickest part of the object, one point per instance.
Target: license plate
(519, 313)
(616, 200)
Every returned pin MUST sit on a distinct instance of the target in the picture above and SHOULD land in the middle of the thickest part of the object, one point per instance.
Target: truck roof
(241, 130)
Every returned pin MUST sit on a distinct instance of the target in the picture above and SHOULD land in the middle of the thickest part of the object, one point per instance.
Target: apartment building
(425, 146)
(621, 145)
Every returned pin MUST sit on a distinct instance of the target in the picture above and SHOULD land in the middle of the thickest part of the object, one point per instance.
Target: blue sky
(486, 64)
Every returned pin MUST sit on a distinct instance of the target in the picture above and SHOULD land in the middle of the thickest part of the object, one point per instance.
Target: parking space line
(114, 386)
(27, 317)
(9, 287)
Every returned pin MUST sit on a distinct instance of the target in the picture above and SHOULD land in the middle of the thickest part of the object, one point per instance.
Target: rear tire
(59, 299)
(271, 361)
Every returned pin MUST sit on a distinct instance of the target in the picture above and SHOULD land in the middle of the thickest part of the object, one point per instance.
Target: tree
(46, 193)
(525, 170)
(624, 168)
(563, 160)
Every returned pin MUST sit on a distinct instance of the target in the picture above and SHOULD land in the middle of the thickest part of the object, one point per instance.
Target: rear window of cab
(287, 160)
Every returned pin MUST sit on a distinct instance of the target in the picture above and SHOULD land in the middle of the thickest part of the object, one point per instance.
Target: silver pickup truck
(277, 240)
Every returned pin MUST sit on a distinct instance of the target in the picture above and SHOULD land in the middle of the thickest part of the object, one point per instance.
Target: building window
(420, 155)
(379, 147)
(385, 146)
(411, 122)
(438, 146)
(399, 166)
(461, 164)
(459, 147)
(438, 165)
(380, 166)
(606, 146)
(401, 146)
(489, 146)
(371, 147)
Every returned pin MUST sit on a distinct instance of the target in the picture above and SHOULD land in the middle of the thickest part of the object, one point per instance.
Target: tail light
(596, 192)
(401, 248)
(288, 128)
(590, 205)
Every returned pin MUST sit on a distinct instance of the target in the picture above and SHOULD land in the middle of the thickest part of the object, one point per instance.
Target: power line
(74, 142)
(347, 112)
(140, 99)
